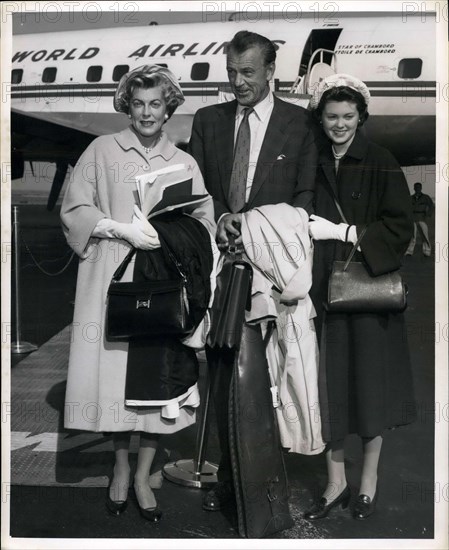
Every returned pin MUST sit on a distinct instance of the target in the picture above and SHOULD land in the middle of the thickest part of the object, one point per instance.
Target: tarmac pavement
(407, 487)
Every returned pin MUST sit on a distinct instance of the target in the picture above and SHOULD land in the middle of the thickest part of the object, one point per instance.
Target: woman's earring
(129, 116)
(166, 116)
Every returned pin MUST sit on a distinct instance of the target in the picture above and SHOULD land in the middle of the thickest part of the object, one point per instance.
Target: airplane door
(325, 39)
(317, 61)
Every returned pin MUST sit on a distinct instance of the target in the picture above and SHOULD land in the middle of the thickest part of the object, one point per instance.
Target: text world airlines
(161, 50)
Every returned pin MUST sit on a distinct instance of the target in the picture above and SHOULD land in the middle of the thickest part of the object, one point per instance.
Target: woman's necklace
(148, 149)
(337, 156)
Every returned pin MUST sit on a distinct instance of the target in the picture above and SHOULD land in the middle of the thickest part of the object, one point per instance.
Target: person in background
(253, 151)
(422, 206)
(102, 223)
(365, 373)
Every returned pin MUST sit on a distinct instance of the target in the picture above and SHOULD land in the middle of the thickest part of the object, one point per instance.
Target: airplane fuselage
(68, 79)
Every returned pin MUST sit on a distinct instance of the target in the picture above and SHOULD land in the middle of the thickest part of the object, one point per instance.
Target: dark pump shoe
(322, 508)
(115, 508)
(151, 514)
(364, 506)
(218, 497)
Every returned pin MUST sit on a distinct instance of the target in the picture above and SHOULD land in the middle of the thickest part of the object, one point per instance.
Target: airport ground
(58, 489)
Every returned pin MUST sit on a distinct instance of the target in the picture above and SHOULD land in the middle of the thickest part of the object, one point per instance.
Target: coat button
(146, 167)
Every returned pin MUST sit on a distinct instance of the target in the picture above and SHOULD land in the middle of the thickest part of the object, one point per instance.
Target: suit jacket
(287, 160)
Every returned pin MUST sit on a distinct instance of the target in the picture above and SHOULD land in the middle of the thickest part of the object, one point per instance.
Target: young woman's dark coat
(365, 373)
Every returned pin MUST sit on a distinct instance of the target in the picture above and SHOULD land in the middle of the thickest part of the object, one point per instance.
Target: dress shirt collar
(262, 109)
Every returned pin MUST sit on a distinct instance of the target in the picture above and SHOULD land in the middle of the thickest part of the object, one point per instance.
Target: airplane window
(200, 71)
(410, 68)
(119, 71)
(94, 73)
(49, 74)
(16, 76)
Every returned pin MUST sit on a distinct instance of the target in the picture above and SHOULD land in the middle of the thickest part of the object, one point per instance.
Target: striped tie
(237, 186)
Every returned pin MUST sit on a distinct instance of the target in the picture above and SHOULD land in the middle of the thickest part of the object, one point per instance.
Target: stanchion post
(203, 427)
(18, 346)
(196, 472)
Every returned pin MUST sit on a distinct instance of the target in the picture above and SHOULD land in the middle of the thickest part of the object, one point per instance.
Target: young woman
(365, 374)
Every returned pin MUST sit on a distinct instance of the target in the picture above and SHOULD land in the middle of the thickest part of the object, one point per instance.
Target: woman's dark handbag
(147, 308)
(353, 290)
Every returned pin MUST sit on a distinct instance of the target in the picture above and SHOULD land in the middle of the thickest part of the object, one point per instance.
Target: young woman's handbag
(352, 289)
(147, 308)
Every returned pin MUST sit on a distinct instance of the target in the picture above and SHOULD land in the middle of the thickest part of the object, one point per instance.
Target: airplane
(63, 83)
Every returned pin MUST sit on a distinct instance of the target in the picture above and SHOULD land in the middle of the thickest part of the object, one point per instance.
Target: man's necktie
(237, 186)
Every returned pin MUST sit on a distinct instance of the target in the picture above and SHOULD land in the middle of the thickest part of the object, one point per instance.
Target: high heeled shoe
(115, 507)
(150, 514)
(365, 506)
(322, 508)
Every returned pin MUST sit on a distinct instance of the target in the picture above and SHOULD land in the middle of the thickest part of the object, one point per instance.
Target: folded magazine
(166, 190)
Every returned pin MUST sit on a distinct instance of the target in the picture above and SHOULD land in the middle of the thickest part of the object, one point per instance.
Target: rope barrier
(39, 264)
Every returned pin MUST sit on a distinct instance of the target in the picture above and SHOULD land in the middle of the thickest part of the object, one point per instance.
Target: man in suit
(280, 165)
(422, 211)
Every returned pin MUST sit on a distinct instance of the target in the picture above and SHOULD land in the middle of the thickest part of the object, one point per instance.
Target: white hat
(336, 80)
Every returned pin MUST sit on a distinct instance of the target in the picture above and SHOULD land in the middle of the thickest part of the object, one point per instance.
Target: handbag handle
(340, 211)
(354, 248)
(118, 274)
(359, 238)
(177, 264)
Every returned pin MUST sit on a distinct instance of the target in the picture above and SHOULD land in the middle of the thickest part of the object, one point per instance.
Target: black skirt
(365, 375)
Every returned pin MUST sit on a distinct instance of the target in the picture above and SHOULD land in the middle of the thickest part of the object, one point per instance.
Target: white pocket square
(281, 157)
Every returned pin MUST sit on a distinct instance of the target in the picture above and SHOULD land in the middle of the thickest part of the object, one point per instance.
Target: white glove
(321, 229)
(135, 236)
(140, 233)
(142, 223)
